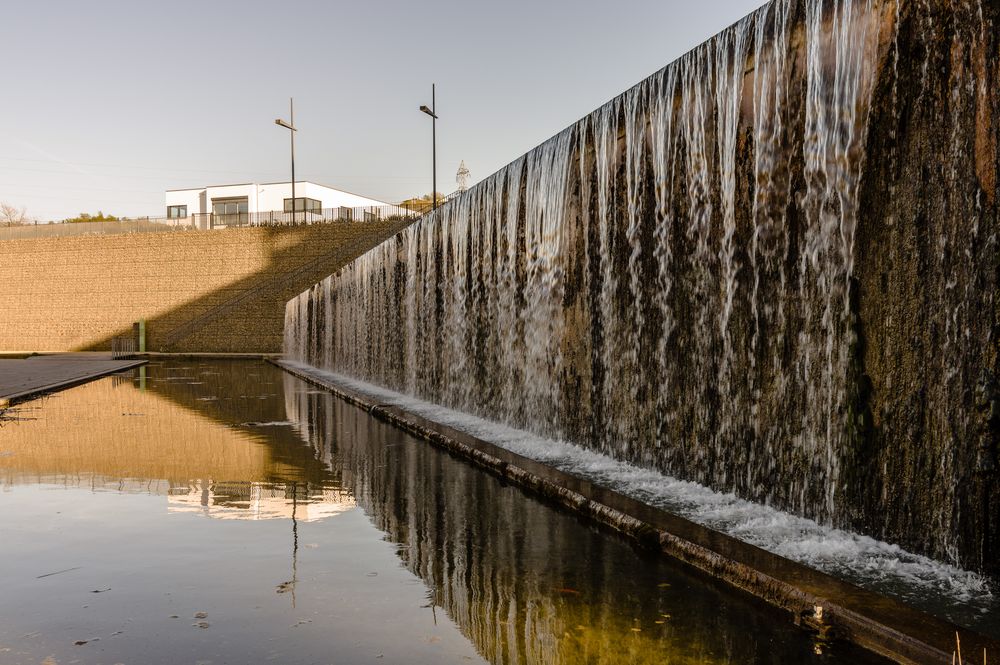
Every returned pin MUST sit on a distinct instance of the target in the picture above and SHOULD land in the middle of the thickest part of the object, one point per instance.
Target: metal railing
(66, 229)
(124, 346)
(207, 221)
(316, 216)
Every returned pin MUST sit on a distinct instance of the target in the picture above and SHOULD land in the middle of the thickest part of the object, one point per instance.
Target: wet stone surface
(226, 512)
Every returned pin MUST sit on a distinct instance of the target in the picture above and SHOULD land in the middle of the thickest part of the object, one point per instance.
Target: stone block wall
(199, 291)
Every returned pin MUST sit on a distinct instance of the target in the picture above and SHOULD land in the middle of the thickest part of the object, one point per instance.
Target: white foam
(957, 594)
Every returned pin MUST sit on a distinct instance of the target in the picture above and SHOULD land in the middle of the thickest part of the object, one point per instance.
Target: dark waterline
(307, 532)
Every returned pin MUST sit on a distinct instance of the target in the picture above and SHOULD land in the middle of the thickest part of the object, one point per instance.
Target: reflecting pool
(226, 512)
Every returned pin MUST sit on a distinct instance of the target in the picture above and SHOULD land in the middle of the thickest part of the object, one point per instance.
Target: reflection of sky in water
(105, 542)
(130, 577)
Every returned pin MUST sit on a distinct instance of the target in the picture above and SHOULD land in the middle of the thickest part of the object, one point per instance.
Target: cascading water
(672, 280)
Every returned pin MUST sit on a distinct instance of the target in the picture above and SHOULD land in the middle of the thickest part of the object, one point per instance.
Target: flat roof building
(234, 201)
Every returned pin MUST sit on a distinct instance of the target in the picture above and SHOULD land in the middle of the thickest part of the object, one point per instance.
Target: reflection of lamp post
(432, 113)
(290, 125)
(295, 522)
(290, 584)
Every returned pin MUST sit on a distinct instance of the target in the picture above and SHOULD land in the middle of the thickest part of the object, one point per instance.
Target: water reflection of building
(258, 501)
(134, 434)
(166, 440)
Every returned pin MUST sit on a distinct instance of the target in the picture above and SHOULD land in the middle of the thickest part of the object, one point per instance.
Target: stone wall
(926, 277)
(70, 294)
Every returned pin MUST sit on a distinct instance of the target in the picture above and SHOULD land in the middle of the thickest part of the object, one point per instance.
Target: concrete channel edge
(833, 608)
(35, 392)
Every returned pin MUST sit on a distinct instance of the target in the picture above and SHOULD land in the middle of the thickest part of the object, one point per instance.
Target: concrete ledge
(817, 601)
(209, 355)
(75, 373)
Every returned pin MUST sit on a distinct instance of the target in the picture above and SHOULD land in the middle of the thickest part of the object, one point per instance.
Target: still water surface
(226, 512)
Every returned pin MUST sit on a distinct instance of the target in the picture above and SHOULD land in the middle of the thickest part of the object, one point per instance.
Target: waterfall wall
(770, 268)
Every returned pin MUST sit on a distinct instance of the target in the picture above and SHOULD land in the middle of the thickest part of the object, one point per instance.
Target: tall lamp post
(431, 112)
(290, 125)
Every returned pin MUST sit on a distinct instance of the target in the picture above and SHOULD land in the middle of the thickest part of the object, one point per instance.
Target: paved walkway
(22, 379)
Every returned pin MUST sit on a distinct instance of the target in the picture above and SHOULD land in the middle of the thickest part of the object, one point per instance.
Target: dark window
(303, 205)
(233, 206)
(177, 212)
(230, 211)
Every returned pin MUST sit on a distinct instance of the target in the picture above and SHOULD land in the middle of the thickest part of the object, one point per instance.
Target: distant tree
(422, 203)
(87, 217)
(12, 215)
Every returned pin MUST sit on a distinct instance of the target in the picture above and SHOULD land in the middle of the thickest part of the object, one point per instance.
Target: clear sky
(108, 103)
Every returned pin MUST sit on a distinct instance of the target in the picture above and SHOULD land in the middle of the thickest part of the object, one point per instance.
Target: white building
(258, 501)
(248, 201)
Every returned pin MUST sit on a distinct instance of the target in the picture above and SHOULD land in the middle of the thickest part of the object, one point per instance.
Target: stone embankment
(204, 291)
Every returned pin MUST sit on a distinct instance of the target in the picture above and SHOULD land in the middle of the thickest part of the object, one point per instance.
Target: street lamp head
(428, 112)
(279, 121)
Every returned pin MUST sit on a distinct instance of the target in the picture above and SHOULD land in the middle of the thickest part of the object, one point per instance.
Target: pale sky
(108, 103)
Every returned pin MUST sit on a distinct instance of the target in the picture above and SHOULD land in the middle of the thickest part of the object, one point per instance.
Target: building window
(177, 212)
(232, 206)
(230, 211)
(304, 205)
